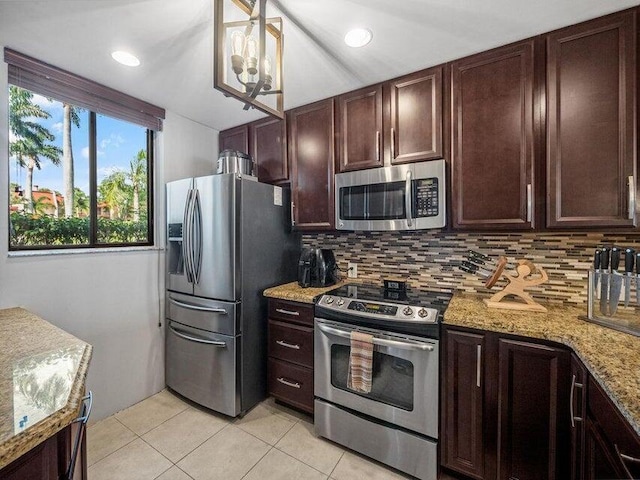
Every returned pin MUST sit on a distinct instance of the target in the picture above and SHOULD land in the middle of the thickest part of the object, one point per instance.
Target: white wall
(112, 300)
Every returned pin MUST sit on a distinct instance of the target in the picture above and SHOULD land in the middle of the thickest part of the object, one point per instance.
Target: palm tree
(113, 192)
(70, 116)
(137, 175)
(32, 140)
(81, 200)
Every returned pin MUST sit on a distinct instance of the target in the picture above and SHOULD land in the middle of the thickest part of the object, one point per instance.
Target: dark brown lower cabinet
(50, 459)
(505, 407)
(533, 440)
(290, 344)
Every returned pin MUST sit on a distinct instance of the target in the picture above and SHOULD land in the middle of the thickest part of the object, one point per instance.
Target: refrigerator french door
(228, 239)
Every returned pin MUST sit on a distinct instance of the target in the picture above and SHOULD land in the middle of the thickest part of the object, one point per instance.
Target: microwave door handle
(407, 199)
(383, 342)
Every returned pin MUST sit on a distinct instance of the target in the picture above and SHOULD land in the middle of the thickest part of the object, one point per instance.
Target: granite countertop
(295, 293)
(42, 377)
(612, 357)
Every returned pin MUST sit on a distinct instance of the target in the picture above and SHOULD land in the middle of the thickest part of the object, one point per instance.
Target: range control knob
(423, 312)
(340, 302)
(329, 300)
(407, 311)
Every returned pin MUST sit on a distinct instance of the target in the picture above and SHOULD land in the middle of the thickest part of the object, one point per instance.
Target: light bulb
(237, 49)
(252, 55)
(267, 73)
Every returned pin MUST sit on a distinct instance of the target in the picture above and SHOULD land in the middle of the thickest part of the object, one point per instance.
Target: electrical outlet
(352, 270)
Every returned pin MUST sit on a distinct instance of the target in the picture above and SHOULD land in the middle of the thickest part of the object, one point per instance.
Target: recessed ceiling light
(358, 37)
(125, 58)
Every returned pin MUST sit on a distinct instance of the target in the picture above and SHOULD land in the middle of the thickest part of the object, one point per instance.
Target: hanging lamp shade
(248, 55)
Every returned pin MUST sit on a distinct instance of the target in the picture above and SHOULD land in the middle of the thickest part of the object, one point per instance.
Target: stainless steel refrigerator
(228, 239)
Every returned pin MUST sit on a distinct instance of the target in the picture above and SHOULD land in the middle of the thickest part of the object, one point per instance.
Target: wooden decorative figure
(516, 286)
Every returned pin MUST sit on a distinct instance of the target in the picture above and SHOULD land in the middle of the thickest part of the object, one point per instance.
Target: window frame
(44, 79)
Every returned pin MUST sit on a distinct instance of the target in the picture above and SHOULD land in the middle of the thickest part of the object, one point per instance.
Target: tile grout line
(199, 445)
(336, 465)
(259, 460)
(116, 450)
(310, 466)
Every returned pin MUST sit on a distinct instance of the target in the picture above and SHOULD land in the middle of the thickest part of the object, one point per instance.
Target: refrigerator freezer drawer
(202, 366)
(202, 313)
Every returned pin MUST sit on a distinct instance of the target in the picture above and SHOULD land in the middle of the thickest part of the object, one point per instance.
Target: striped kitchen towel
(360, 362)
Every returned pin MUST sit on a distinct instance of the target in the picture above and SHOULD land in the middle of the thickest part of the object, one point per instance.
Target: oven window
(380, 201)
(392, 381)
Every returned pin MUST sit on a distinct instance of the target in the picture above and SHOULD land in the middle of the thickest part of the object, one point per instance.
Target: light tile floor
(167, 438)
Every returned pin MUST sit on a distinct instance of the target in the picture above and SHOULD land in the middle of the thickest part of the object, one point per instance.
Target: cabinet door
(311, 151)
(591, 103)
(236, 138)
(268, 146)
(533, 413)
(492, 139)
(577, 412)
(359, 129)
(414, 130)
(462, 397)
(600, 464)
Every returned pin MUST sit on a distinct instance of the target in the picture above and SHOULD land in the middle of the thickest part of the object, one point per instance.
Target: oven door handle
(383, 342)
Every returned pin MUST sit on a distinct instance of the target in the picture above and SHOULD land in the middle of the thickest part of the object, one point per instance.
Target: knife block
(626, 319)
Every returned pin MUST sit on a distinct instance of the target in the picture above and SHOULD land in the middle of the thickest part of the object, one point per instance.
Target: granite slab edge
(18, 445)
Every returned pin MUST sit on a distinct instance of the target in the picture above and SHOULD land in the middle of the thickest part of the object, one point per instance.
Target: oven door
(404, 387)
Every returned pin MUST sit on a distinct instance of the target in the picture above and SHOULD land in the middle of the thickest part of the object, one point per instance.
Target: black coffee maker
(317, 268)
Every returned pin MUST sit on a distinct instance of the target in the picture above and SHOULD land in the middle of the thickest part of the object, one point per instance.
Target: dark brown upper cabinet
(311, 152)
(236, 138)
(492, 128)
(413, 131)
(591, 105)
(359, 129)
(268, 146)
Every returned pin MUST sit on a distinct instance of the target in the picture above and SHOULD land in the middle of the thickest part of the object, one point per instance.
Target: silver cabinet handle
(624, 459)
(198, 340)
(574, 384)
(383, 342)
(293, 220)
(478, 364)
(378, 145)
(288, 384)
(529, 202)
(282, 343)
(87, 405)
(221, 311)
(407, 198)
(287, 312)
(393, 143)
(631, 190)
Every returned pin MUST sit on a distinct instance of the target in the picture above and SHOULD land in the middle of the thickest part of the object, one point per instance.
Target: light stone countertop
(295, 293)
(612, 357)
(42, 379)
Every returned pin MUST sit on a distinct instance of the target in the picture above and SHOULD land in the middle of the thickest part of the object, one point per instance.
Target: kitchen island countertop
(42, 379)
(612, 357)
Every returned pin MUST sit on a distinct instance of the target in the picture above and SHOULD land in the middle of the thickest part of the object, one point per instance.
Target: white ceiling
(174, 38)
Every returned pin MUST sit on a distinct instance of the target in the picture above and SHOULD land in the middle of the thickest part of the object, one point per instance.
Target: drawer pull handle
(287, 312)
(626, 458)
(282, 343)
(288, 383)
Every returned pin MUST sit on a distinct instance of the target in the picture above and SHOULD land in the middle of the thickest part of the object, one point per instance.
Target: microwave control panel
(426, 198)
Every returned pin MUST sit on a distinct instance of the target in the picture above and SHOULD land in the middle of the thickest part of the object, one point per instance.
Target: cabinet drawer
(622, 440)
(291, 384)
(291, 343)
(291, 311)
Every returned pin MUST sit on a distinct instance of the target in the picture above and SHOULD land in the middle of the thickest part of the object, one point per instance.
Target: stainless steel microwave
(400, 197)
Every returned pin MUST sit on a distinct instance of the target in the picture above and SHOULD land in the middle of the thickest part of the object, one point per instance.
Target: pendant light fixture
(244, 46)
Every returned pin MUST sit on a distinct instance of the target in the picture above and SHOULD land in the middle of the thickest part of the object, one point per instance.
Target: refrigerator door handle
(186, 233)
(197, 224)
(221, 311)
(197, 340)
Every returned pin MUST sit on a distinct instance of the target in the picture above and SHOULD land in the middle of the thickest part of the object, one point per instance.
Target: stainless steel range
(397, 421)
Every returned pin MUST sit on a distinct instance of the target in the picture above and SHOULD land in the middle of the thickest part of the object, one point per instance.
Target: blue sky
(118, 143)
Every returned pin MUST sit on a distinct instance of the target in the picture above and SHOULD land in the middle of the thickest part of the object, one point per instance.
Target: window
(81, 161)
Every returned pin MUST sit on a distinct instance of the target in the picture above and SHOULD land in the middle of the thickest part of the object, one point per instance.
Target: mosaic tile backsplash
(430, 259)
